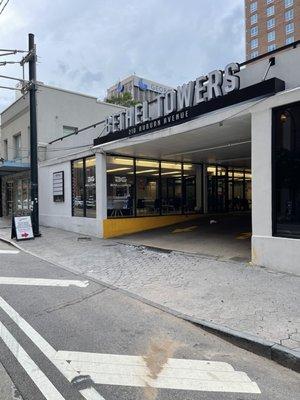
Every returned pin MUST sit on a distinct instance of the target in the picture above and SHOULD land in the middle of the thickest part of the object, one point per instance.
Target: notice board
(22, 228)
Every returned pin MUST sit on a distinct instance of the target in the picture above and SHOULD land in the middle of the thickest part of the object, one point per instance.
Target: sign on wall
(214, 91)
(58, 187)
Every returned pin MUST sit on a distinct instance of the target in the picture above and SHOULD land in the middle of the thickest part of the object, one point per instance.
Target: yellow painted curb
(121, 226)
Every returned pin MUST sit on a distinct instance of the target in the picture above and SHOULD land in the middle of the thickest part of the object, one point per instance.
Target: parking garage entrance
(195, 207)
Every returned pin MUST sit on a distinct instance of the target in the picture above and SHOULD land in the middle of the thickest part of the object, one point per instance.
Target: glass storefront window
(120, 187)
(189, 188)
(78, 188)
(147, 187)
(238, 190)
(90, 187)
(248, 189)
(229, 189)
(286, 170)
(142, 187)
(84, 187)
(171, 188)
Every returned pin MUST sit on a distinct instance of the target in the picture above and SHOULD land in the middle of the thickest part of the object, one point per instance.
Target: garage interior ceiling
(225, 143)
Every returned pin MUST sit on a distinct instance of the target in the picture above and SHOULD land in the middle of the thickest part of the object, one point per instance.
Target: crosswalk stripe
(139, 361)
(179, 374)
(38, 377)
(9, 251)
(64, 367)
(8, 280)
(167, 372)
(176, 383)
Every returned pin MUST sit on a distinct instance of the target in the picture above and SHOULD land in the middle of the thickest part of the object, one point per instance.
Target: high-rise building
(270, 24)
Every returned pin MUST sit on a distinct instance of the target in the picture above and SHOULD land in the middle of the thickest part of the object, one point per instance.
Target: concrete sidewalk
(236, 295)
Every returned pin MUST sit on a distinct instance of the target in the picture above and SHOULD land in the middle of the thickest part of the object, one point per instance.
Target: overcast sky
(89, 45)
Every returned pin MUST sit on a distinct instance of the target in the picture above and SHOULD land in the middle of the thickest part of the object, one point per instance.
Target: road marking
(7, 280)
(64, 367)
(38, 377)
(179, 374)
(9, 251)
(188, 229)
(139, 361)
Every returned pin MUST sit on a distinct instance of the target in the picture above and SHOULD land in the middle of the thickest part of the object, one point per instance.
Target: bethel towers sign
(207, 93)
(204, 88)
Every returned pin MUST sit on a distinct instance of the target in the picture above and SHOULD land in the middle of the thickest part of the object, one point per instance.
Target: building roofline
(41, 85)
(140, 77)
(13, 103)
(293, 45)
(79, 94)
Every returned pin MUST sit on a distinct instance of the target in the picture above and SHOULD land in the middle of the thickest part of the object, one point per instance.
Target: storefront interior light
(121, 161)
(90, 162)
(170, 173)
(171, 165)
(283, 117)
(145, 163)
(118, 169)
(146, 171)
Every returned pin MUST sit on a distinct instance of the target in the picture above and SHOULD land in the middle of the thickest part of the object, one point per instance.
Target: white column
(101, 190)
(261, 153)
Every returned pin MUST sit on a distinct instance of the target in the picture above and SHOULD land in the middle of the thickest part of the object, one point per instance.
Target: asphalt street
(64, 336)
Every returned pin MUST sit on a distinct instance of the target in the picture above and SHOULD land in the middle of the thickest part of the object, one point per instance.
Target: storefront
(15, 188)
(227, 142)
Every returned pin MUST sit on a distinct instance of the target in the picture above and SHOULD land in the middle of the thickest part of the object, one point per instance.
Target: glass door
(9, 198)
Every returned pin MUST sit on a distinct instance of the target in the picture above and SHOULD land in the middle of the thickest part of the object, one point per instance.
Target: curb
(271, 350)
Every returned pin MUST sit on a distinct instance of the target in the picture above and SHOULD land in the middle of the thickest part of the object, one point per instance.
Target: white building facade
(59, 113)
(235, 149)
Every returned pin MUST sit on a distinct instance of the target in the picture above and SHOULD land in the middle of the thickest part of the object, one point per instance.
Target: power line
(3, 63)
(24, 149)
(76, 131)
(4, 6)
(10, 88)
(14, 51)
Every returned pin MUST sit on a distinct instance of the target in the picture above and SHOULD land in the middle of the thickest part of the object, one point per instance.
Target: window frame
(17, 150)
(289, 15)
(253, 7)
(270, 11)
(253, 19)
(135, 214)
(288, 3)
(71, 130)
(275, 232)
(254, 31)
(84, 187)
(271, 36)
(269, 26)
(289, 40)
(291, 24)
(256, 45)
(272, 47)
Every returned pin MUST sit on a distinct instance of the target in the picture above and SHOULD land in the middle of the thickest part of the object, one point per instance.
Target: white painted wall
(59, 215)
(285, 68)
(15, 120)
(278, 253)
(55, 108)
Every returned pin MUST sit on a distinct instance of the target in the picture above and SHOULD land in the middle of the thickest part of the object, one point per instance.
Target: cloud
(88, 46)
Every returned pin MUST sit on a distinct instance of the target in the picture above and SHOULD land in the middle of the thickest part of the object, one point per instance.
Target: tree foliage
(123, 99)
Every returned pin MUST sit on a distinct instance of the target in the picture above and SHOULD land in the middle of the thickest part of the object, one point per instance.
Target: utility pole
(33, 136)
